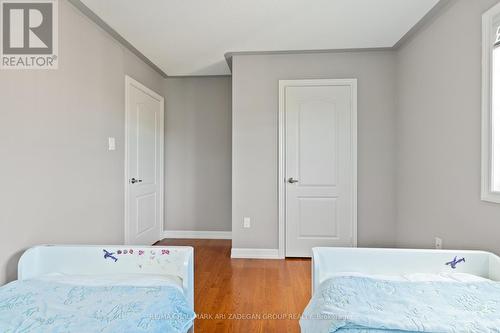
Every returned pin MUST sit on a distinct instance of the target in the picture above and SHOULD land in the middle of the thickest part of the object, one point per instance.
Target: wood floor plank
(246, 295)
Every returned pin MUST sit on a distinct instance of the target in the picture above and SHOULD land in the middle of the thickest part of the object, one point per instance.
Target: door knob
(133, 181)
(292, 181)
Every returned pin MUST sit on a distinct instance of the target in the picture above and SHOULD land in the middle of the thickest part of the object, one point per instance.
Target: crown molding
(440, 7)
(106, 27)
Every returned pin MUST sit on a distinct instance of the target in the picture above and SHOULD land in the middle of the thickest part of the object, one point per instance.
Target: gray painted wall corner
(198, 150)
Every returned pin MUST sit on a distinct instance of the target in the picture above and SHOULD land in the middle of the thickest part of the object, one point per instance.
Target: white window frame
(491, 19)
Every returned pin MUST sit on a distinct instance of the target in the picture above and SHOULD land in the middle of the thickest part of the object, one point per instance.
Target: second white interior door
(320, 164)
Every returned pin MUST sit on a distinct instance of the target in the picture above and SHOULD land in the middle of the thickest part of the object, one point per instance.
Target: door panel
(147, 125)
(319, 138)
(318, 217)
(317, 166)
(144, 213)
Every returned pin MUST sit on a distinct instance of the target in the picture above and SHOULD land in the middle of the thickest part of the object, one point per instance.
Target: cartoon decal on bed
(139, 252)
(454, 262)
(142, 257)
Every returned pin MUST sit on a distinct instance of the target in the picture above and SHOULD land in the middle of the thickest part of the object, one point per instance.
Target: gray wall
(198, 153)
(255, 135)
(439, 132)
(419, 138)
(59, 182)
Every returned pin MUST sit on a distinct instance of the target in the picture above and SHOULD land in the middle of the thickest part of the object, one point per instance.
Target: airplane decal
(110, 255)
(454, 262)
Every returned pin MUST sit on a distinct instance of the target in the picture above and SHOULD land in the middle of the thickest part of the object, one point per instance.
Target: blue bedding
(50, 307)
(353, 304)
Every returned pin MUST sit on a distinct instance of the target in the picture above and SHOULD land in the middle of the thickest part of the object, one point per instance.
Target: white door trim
(283, 84)
(130, 82)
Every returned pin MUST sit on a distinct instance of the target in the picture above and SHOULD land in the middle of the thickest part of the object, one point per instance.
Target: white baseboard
(197, 234)
(255, 253)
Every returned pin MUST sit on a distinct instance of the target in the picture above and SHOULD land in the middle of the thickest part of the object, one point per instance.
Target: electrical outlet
(438, 243)
(246, 222)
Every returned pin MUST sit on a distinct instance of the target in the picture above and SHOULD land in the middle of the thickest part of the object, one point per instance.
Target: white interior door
(144, 164)
(320, 164)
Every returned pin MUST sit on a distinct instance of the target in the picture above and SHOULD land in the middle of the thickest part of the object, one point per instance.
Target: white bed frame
(89, 260)
(327, 261)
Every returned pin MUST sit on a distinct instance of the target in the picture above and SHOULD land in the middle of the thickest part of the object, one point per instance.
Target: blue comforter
(351, 304)
(51, 307)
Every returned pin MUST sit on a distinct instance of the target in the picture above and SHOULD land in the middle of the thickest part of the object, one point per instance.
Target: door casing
(283, 84)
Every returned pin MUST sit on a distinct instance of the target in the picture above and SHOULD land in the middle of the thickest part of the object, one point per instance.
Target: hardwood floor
(246, 295)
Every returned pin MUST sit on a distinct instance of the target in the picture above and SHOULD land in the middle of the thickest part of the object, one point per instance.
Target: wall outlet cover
(438, 243)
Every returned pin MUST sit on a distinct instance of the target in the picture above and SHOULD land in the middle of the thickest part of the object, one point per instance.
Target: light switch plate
(246, 222)
(111, 143)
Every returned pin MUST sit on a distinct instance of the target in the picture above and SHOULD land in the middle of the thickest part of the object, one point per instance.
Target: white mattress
(419, 277)
(136, 280)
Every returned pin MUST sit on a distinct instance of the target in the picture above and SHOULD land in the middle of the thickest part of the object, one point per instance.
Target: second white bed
(400, 290)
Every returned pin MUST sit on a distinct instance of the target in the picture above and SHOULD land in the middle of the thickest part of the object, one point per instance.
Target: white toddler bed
(100, 288)
(403, 290)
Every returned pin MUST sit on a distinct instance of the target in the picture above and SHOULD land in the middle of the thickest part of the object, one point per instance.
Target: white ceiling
(190, 37)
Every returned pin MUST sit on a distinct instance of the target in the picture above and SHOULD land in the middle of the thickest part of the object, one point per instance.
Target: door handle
(292, 181)
(133, 181)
